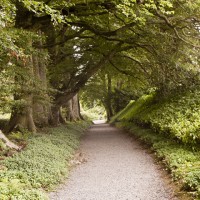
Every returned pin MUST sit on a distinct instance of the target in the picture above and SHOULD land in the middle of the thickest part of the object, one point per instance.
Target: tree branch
(66, 38)
(97, 31)
(80, 80)
(175, 29)
(127, 73)
(136, 61)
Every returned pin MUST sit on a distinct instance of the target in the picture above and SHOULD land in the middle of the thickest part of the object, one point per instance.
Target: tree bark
(61, 118)
(54, 119)
(7, 142)
(73, 109)
(22, 117)
(40, 101)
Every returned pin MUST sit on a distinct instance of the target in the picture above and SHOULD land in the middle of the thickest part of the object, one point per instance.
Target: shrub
(42, 165)
(180, 160)
(174, 132)
(178, 117)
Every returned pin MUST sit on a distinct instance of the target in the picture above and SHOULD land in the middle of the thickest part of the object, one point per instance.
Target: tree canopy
(111, 51)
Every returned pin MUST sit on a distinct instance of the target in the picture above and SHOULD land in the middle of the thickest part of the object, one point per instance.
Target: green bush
(178, 117)
(173, 132)
(122, 112)
(180, 160)
(42, 165)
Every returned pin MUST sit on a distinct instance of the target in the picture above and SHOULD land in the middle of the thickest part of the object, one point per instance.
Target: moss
(122, 112)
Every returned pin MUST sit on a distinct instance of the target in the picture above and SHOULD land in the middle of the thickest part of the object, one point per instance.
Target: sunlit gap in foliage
(92, 110)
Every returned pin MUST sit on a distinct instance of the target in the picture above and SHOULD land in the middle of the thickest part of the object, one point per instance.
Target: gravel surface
(116, 168)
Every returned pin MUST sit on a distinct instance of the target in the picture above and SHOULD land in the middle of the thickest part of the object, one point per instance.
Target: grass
(177, 116)
(42, 165)
(122, 112)
(180, 160)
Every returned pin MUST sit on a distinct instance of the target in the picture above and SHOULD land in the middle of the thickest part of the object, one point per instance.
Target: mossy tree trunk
(22, 116)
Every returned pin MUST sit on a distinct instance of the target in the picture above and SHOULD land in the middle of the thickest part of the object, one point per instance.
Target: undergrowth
(180, 160)
(177, 116)
(172, 127)
(43, 164)
(122, 112)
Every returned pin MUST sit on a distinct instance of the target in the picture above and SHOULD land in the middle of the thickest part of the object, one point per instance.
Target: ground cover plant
(171, 127)
(180, 160)
(177, 116)
(41, 165)
(56, 54)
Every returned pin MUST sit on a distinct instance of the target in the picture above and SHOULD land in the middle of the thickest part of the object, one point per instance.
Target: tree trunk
(40, 101)
(54, 119)
(7, 142)
(22, 117)
(73, 109)
(108, 106)
(61, 118)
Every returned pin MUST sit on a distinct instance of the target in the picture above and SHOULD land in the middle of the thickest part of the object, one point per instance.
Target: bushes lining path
(171, 126)
(116, 169)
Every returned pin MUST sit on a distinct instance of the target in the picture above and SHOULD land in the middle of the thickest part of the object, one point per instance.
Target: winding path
(116, 169)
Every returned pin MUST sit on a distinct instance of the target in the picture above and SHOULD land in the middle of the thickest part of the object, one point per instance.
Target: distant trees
(50, 49)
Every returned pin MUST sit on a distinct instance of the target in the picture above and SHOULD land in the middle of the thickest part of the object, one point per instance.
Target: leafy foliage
(94, 113)
(42, 165)
(16, 78)
(176, 116)
(179, 117)
(180, 160)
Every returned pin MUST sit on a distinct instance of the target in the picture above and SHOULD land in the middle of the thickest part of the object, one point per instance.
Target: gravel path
(116, 169)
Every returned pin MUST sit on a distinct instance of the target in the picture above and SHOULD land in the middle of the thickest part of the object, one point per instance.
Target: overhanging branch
(127, 73)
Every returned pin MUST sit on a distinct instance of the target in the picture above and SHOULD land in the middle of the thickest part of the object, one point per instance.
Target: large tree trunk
(73, 109)
(22, 118)
(40, 101)
(54, 117)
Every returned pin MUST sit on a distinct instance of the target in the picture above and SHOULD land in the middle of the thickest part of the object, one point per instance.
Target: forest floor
(114, 167)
